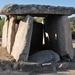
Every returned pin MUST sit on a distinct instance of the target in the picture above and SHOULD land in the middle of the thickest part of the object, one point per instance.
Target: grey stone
(21, 45)
(59, 32)
(24, 56)
(6, 65)
(30, 66)
(15, 66)
(44, 57)
(11, 34)
(36, 9)
(48, 67)
(5, 33)
(63, 66)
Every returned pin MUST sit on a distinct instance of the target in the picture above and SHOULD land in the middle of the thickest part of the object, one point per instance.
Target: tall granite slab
(59, 32)
(5, 33)
(22, 42)
(11, 34)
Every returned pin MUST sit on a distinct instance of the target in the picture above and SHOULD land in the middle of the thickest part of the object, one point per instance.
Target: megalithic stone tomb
(18, 41)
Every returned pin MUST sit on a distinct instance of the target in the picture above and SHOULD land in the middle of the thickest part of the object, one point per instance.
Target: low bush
(1, 26)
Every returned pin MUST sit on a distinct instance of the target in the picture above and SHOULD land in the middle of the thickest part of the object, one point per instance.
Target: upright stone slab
(21, 46)
(11, 34)
(5, 33)
(59, 31)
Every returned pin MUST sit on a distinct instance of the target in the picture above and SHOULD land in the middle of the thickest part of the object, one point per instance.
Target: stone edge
(36, 9)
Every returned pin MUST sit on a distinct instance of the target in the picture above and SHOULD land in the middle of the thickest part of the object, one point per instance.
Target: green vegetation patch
(1, 25)
(72, 23)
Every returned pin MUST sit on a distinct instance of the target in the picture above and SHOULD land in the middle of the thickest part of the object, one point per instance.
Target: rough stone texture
(64, 66)
(59, 32)
(11, 34)
(30, 66)
(37, 36)
(45, 56)
(6, 65)
(21, 46)
(36, 9)
(48, 67)
(15, 65)
(5, 33)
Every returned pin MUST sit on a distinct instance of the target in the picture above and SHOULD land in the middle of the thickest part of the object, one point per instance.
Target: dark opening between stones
(44, 36)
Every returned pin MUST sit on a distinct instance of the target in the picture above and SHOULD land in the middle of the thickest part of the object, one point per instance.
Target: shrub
(1, 26)
(38, 19)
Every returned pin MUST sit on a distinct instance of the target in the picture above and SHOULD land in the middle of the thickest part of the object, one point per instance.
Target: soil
(5, 56)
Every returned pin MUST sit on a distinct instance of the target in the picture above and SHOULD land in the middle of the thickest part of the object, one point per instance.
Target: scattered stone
(60, 42)
(29, 66)
(15, 66)
(11, 34)
(63, 66)
(48, 67)
(22, 42)
(45, 56)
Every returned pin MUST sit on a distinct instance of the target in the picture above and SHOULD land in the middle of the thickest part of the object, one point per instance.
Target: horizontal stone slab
(36, 10)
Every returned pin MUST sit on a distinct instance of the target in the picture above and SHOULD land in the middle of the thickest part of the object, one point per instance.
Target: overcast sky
(68, 3)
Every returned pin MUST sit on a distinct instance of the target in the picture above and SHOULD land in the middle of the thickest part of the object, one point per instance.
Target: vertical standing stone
(59, 31)
(5, 33)
(22, 42)
(11, 34)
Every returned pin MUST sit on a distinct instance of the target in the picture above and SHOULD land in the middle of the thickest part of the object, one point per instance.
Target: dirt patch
(4, 54)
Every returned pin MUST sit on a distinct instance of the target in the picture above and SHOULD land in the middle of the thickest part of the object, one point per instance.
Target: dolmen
(24, 37)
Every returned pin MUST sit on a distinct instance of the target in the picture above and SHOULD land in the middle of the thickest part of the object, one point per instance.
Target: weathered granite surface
(36, 9)
(11, 34)
(45, 56)
(59, 34)
(22, 41)
(5, 32)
